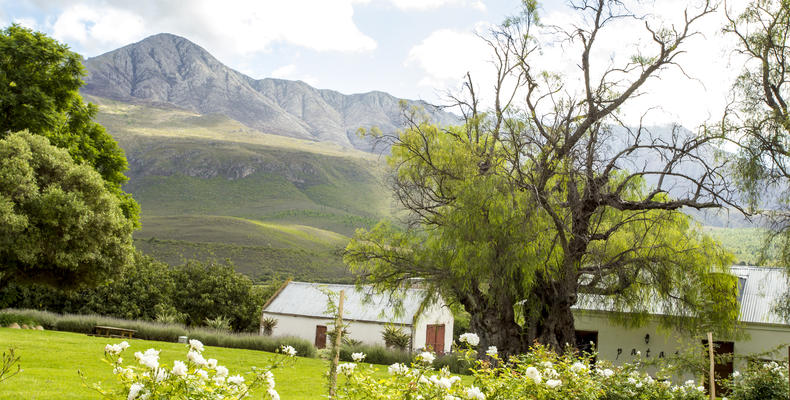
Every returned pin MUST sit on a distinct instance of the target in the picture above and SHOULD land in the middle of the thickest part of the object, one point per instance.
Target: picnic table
(113, 332)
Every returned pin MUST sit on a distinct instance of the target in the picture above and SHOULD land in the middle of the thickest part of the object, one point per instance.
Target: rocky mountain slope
(165, 69)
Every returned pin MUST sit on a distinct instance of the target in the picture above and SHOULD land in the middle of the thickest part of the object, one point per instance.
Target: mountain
(165, 69)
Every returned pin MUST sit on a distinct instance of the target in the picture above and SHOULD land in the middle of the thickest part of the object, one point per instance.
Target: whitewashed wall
(366, 332)
(304, 327)
(612, 337)
(435, 314)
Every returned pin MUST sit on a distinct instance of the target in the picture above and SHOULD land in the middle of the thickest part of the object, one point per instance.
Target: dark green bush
(213, 337)
(453, 362)
(7, 319)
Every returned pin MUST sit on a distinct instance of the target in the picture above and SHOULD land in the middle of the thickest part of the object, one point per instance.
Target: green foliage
(7, 319)
(209, 290)
(149, 290)
(7, 363)
(59, 224)
(395, 337)
(167, 314)
(540, 375)
(489, 246)
(760, 381)
(268, 324)
(375, 354)
(39, 83)
(149, 330)
(220, 323)
(195, 378)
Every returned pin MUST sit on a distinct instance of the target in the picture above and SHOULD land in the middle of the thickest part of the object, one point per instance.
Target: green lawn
(50, 361)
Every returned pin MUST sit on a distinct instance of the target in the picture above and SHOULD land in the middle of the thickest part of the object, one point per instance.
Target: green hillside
(747, 244)
(211, 188)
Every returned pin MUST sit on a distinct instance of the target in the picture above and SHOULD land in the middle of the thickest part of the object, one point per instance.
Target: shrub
(43, 318)
(375, 354)
(454, 363)
(395, 337)
(197, 378)
(220, 323)
(7, 319)
(268, 324)
(161, 331)
(213, 337)
(540, 374)
(763, 381)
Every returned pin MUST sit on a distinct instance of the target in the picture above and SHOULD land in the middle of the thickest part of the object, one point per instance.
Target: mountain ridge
(166, 69)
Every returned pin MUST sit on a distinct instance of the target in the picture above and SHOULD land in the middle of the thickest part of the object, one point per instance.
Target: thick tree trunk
(548, 316)
(494, 322)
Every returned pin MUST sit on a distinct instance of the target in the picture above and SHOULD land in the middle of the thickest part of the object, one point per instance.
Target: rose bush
(541, 375)
(763, 381)
(195, 378)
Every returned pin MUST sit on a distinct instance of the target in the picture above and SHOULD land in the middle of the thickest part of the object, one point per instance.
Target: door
(434, 338)
(320, 336)
(722, 370)
(586, 342)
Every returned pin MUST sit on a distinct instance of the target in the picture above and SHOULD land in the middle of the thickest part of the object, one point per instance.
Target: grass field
(50, 361)
(211, 188)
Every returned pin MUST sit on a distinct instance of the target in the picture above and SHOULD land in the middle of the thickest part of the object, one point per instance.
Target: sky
(415, 49)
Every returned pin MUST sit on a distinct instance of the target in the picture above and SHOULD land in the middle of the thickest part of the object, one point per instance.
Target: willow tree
(757, 120)
(545, 198)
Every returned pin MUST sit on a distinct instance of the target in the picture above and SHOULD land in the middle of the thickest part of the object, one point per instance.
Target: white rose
(474, 393)
(196, 345)
(134, 390)
(552, 383)
(426, 357)
(179, 368)
(470, 338)
(534, 374)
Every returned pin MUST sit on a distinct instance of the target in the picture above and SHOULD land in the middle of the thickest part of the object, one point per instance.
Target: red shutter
(439, 341)
(320, 336)
(434, 338)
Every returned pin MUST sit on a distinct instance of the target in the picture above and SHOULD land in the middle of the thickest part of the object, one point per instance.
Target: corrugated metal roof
(760, 288)
(302, 298)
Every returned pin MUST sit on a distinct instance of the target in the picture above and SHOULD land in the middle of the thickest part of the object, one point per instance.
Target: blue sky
(409, 48)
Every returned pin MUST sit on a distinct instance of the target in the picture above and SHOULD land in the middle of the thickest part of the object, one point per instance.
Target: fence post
(712, 377)
(338, 341)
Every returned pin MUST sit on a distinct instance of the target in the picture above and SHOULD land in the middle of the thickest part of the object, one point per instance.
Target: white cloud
(422, 5)
(291, 72)
(26, 22)
(445, 57)
(96, 29)
(231, 27)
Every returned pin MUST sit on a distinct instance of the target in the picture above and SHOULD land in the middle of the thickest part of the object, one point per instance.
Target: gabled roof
(759, 288)
(308, 299)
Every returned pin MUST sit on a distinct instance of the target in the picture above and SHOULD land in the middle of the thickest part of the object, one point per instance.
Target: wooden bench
(112, 332)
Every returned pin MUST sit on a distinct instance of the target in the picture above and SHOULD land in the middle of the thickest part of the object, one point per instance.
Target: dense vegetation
(193, 293)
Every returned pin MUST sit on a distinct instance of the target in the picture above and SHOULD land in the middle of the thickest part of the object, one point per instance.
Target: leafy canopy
(39, 92)
(59, 223)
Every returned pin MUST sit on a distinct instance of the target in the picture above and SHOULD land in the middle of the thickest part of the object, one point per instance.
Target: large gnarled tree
(547, 198)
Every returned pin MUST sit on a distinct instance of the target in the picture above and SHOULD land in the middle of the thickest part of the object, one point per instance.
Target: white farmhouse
(300, 310)
(758, 287)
